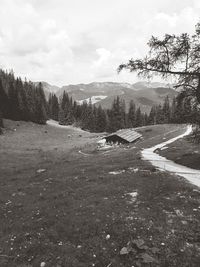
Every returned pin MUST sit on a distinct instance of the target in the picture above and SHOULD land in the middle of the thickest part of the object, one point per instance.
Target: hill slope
(64, 203)
(144, 94)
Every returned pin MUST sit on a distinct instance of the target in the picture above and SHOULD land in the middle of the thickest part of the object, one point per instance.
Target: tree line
(182, 109)
(21, 100)
(95, 118)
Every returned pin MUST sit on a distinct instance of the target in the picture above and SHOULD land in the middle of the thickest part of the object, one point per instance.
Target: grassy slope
(184, 152)
(63, 215)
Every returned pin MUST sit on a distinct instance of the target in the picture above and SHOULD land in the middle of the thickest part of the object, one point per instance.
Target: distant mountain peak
(144, 94)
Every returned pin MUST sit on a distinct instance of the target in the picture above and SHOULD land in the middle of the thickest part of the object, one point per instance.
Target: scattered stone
(132, 169)
(107, 237)
(8, 203)
(179, 213)
(124, 251)
(41, 170)
(184, 222)
(117, 172)
(138, 243)
(135, 246)
(147, 258)
(133, 196)
(42, 264)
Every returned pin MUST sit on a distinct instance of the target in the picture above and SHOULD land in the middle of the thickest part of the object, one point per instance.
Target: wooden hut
(123, 136)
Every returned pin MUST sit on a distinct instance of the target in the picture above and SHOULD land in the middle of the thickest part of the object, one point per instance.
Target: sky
(81, 41)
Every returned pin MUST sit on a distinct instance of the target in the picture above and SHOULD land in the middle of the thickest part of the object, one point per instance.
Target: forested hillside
(95, 118)
(183, 109)
(21, 100)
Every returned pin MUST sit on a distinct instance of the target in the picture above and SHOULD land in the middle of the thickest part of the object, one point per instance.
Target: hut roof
(129, 135)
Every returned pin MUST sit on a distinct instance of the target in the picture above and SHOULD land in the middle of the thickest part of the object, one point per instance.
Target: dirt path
(162, 163)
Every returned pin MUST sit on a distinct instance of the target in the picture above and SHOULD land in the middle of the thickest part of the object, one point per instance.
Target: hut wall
(115, 139)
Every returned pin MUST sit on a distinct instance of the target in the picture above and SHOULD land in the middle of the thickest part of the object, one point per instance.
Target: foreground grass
(74, 212)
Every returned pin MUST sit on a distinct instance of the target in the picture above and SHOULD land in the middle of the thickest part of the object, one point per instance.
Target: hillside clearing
(76, 213)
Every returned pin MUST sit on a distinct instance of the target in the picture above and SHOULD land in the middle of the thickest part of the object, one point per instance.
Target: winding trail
(164, 164)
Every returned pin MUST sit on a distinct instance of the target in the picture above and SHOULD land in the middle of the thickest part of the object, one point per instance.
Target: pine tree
(187, 108)
(1, 122)
(19, 100)
(14, 112)
(40, 113)
(173, 111)
(152, 116)
(22, 100)
(131, 115)
(88, 117)
(180, 108)
(138, 121)
(70, 112)
(4, 104)
(117, 115)
(61, 116)
(101, 120)
(160, 117)
(64, 100)
(49, 103)
(166, 110)
(53, 107)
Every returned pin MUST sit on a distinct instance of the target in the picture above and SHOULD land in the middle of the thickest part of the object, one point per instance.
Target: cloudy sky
(74, 41)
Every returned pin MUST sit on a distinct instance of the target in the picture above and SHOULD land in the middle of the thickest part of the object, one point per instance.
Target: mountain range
(144, 94)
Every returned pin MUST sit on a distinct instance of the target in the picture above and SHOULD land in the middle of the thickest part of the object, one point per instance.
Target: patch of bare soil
(61, 208)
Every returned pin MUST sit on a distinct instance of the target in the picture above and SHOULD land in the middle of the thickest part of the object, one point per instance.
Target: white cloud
(64, 41)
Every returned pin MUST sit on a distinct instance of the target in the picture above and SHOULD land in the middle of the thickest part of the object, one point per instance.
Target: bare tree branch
(177, 55)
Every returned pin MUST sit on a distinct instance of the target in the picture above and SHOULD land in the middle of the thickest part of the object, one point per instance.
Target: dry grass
(63, 215)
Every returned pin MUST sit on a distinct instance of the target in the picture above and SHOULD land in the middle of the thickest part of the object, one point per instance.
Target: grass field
(63, 203)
